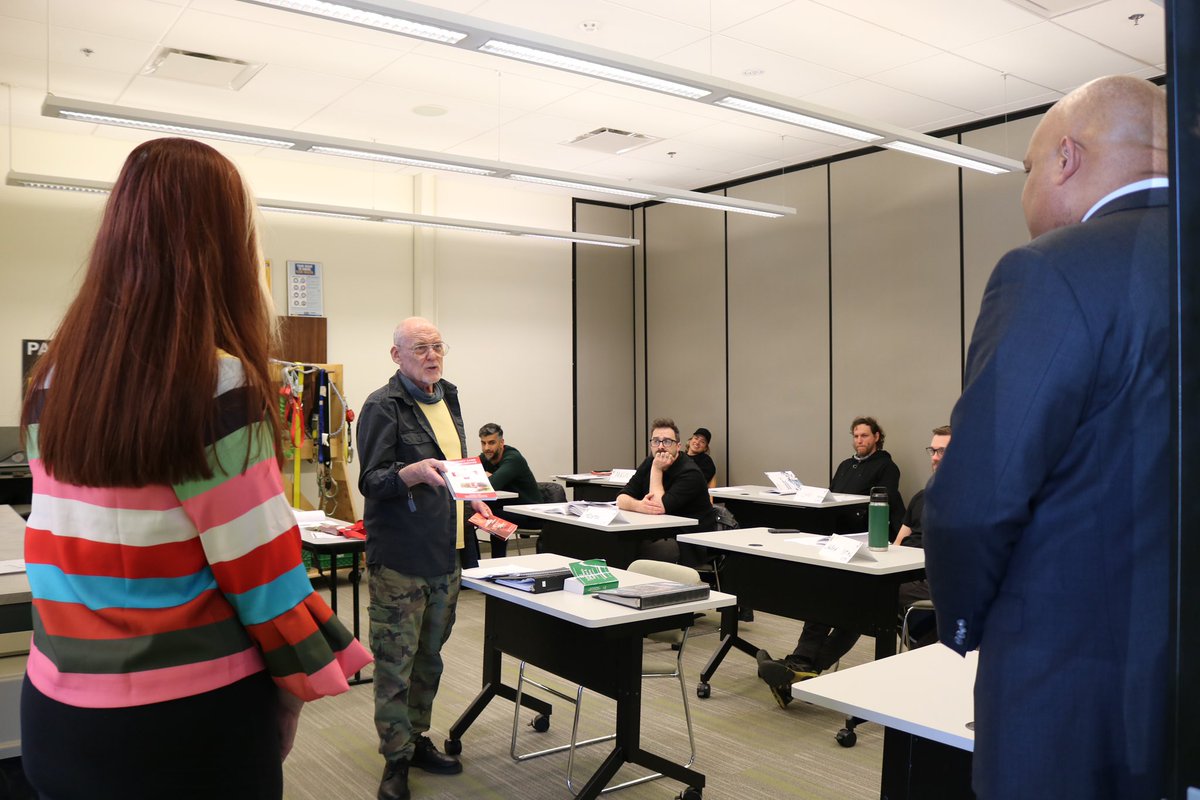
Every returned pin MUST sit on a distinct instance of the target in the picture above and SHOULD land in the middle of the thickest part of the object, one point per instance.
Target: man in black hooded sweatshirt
(820, 646)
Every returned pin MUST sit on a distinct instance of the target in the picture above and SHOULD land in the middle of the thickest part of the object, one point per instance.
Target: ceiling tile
(373, 112)
(479, 81)
(946, 24)
(876, 101)
(238, 12)
(115, 54)
(258, 42)
(1110, 25)
(729, 59)
(1049, 55)
(128, 19)
(620, 28)
(277, 97)
(22, 37)
(828, 37)
(955, 81)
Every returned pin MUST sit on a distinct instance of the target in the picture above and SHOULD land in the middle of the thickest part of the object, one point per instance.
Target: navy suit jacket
(1048, 522)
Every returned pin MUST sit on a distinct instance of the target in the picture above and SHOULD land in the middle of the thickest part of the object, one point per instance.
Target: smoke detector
(611, 141)
(202, 68)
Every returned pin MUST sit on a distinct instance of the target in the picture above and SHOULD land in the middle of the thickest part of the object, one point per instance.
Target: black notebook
(653, 595)
(536, 581)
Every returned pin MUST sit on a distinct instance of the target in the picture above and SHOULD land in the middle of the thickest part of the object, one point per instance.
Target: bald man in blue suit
(1048, 525)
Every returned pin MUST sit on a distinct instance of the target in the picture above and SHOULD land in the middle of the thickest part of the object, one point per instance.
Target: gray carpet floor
(748, 747)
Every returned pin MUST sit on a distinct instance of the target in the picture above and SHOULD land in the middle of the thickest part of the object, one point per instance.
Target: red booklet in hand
(494, 525)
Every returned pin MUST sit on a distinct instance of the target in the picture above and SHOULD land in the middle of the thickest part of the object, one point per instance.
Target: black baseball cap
(705, 432)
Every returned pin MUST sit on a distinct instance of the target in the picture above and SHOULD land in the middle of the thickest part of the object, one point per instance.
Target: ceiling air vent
(202, 68)
(611, 141)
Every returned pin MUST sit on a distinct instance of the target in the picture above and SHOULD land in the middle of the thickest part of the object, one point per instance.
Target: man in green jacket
(508, 471)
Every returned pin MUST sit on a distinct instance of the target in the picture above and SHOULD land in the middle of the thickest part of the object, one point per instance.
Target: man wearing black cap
(697, 450)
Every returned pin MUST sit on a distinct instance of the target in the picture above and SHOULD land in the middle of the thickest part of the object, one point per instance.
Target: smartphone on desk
(783, 530)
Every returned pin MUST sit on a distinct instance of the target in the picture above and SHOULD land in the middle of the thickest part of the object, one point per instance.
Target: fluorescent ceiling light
(796, 118)
(58, 184)
(369, 19)
(162, 127)
(354, 214)
(562, 61)
(389, 158)
(531, 47)
(949, 158)
(587, 187)
(716, 205)
(424, 159)
(308, 212)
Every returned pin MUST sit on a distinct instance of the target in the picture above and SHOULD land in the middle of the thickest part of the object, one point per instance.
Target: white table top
(928, 692)
(598, 480)
(14, 588)
(635, 522)
(784, 546)
(583, 610)
(763, 494)
(504, 494)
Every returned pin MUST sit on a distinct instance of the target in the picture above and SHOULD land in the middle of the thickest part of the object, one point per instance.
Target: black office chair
(551, 492)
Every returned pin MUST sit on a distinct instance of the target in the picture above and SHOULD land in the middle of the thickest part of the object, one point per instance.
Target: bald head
(1107, 133)
(418, 349)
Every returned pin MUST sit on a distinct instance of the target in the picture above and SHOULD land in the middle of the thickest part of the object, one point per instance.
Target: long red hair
(132, 370)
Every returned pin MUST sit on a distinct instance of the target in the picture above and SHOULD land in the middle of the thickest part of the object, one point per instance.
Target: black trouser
(821, 646)
(219, 744)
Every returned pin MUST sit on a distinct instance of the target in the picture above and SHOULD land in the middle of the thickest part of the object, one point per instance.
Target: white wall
(503, 303)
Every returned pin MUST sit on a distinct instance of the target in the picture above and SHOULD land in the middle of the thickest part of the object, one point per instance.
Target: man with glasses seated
(922, 631)
(667, 484)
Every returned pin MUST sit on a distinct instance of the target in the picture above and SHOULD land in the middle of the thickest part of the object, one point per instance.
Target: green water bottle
(877, 519)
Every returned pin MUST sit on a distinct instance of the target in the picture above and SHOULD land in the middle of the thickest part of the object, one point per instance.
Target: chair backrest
(665, 570)
(552, 492)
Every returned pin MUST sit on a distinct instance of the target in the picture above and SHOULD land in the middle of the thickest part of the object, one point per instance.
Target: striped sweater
(154, 593)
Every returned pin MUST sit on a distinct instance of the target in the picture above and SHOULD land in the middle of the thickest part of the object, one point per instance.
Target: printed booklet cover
(467, 480)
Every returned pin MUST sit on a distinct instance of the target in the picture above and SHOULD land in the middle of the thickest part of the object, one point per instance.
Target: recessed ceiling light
(429, 111)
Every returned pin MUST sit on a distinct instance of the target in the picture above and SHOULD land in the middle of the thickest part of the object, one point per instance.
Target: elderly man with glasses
(667, 484)
(414, 530)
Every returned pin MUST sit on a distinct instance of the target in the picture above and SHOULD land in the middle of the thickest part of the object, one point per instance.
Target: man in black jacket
(414, 528)
(667, 484)
(820, 646)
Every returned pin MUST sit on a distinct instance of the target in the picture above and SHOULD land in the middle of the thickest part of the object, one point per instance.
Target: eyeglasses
(663, 442)
(421, 350)
(935, 451)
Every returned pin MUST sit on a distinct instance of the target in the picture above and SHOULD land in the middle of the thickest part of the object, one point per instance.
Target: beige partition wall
(778, 292)
(894, 233)
(993, 222)
(604, 343)
(685, 318)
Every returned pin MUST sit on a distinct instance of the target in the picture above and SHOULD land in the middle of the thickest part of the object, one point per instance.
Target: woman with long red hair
(176, 633)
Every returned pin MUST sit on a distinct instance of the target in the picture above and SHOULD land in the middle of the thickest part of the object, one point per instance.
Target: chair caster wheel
(540, 723)
(846, 737)
(453, 747)
(703, 691)
(691, 793)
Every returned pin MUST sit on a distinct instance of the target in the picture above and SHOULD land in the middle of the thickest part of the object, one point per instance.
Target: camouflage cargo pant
(411, 618)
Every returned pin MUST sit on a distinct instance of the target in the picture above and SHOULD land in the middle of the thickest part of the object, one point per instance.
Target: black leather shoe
(428, 758)
(394, 785)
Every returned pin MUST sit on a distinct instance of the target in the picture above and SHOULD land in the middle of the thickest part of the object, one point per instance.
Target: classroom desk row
(752, 506)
